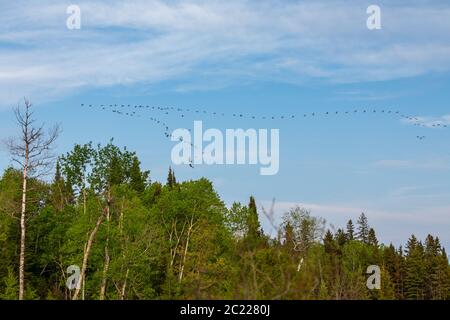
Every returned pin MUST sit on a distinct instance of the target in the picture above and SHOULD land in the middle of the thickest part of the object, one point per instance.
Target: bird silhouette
(191, 164)
(168, 110)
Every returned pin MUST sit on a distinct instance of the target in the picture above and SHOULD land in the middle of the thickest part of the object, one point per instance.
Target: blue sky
(259, 58)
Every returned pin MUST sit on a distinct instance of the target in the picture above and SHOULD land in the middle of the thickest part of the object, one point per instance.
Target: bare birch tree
(31, 150)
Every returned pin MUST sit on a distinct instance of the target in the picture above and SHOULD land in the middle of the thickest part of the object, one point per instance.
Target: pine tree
(436, 264)
(400, 273)
(60, 192)
(431, 264)
(393, 261)
(329, 244)
(341, 237)
(444, 275)
(363, 228)
(372, 238)
(138, 179)
(350, 230)
(253, 226)
(171, 180)
(414, 270)
(174, 179)
(387, 291)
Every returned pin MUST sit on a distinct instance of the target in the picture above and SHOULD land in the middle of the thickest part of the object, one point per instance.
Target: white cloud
(218, 42)
(429, 122)
(419, 194)
(428, 164)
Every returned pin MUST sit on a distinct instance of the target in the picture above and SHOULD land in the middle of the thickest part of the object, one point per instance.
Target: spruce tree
(61, 193)
(431, 263)
(253, 226)
(414, 270)
(387, 291)
(436, 264)
(372, 238)
(400, 273)
(444, 274)
(350, 230)
(170, 178)
(138, 179)
(393, 262)
(328, 242)
(363, 228)
(341, 237)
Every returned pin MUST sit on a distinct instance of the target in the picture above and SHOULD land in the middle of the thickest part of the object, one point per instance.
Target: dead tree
(32, 152)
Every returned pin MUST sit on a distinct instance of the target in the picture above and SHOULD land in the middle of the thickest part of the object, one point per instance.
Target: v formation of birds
(130, 110)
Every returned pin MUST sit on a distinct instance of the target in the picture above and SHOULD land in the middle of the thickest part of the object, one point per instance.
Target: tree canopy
(134, 238)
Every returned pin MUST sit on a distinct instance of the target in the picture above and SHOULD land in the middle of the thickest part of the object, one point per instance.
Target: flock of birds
(135, 111)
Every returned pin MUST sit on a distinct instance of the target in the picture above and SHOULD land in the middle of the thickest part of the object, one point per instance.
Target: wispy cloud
(218, 42)
(429, 122)
(361, 95)
(429, 164)
(420, 193)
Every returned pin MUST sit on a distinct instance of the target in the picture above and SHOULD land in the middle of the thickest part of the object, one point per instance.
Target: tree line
(135, 238)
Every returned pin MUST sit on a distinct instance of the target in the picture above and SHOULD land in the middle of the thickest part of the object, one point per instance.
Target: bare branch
(32, 150)
(33, 143)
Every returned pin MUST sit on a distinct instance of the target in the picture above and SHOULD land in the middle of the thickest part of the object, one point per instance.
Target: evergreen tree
(171, 180)
(328, 242)
(436, 265)
(350, 230)
(372, 238)
(444, 276)
(363, 228)
(341, 237)
(61, 193)
(414, 270)
(393, 262)
(432, 251)
(138, 178)
(254, 232)
(387, 291)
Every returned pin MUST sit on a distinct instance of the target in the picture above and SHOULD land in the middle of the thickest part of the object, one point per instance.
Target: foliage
(179, 241)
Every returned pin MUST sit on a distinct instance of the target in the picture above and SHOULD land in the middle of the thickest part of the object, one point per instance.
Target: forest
(131, 237)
